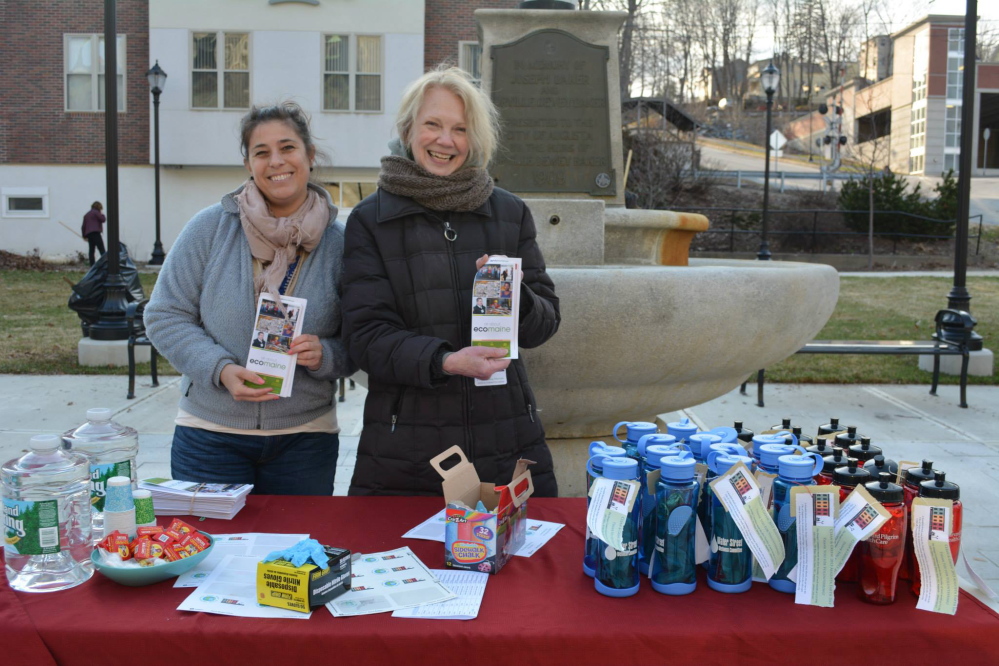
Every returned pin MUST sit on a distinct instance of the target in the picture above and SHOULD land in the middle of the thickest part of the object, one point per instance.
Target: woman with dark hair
(277, 234)
(411, 253)
(92, 228)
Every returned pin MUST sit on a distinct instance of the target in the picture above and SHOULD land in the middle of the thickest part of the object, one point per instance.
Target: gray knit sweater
(202, 313)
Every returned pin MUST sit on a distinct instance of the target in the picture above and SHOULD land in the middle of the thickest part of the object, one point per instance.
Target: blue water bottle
(647, 525)
(774, 438)
(771, 453)
(617, 570)
(699, 443)
(594, 469)
(634, 431)
(730, 562)
(681, 429)
(704, 501)
(792, 471)
(673, 565)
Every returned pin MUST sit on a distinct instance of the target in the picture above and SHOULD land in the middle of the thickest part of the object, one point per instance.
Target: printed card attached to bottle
(738, 493)
(272, 335)
(932, 523)
(814, 509)
(496, 310)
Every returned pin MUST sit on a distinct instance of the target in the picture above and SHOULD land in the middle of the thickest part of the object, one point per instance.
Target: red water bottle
(881, 554)
(910, 487)
(941, 488)
(829, 465)
(847, 478)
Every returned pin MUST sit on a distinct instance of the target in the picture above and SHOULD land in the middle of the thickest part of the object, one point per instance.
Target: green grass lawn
(39, 333)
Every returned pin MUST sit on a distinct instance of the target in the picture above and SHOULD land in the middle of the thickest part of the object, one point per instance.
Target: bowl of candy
(156, 554)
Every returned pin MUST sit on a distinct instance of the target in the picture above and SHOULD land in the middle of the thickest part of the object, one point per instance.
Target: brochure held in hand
(496, 310)
(269, 346)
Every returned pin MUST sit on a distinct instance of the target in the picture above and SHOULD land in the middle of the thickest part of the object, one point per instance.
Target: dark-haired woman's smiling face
(279, 164)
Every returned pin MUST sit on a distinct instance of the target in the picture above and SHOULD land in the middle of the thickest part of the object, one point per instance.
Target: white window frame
(96, 98)
(465, 65)
(9, 193)
(352, 73)
(221, 70)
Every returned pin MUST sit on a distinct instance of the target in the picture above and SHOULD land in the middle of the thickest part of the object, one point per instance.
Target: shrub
(897, 209)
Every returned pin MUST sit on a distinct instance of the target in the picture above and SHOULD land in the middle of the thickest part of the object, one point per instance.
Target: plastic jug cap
(654, 453)
(916, 475)
(719, 462)
(45, 442)
(98, 414)
(771, 453)
(851, 474)
(700, 442)
(658, 439)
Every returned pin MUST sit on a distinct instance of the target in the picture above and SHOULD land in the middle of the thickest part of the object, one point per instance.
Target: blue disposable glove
(300, 553)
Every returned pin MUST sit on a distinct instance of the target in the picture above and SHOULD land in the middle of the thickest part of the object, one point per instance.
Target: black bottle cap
(802, 438)
(865, 451)
(879, 464)
(916, 475)
(883, 490)
(940, 488)
(830, 427)
(848, 438)
(821, 446)
(851, 475)
(737, 425)
(834, 423)
(744, 434)
(837, 459)
(786, 424)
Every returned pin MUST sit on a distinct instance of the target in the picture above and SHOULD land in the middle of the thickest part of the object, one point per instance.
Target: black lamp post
(157, 80)
(111, 324)
(769, 80)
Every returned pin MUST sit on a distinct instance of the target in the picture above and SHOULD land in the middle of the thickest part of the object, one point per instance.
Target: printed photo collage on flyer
(273, 331)
(494, 294)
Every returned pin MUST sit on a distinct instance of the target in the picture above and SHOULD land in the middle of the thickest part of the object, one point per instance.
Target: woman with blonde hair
(277, 234)
(411, 252)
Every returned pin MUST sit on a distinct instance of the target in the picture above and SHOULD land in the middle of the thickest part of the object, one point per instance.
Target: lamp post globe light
(157, 80)
(769, 80)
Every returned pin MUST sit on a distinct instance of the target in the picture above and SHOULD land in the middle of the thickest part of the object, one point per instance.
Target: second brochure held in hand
(496, 305)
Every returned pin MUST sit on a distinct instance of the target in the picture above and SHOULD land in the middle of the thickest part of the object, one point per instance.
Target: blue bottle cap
(700, 442)
(799, 468)
(620, 468)
(719, 462)
(599, 448)
(770, 453)
(681, 429)
(659, 439)
(727, 448)
(775, 438)
(727, 434)
(678, 468)
(635, 430)
(654, 453)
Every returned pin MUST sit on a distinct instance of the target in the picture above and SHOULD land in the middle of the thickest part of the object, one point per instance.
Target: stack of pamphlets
(190, 498)
(271, 341)
(496, 310)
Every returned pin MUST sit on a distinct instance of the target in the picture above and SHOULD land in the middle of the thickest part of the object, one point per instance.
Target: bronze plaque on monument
(551, 92)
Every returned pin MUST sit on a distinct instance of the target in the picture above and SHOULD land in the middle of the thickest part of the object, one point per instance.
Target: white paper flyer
(388, 581)
(932, 522)
(496, 310)
(815, 509)
(271, 341)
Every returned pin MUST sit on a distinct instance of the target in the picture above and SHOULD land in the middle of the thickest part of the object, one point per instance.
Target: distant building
(910, 120)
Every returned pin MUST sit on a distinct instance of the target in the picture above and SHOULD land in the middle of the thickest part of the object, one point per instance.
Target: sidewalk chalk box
(283, 585)
(482, 540)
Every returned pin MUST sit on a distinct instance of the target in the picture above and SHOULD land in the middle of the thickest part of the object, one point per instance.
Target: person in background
(277, 234)
(93, 228)
(411, 254)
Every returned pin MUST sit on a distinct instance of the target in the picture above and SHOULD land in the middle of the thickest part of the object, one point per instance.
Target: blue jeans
(298, 464)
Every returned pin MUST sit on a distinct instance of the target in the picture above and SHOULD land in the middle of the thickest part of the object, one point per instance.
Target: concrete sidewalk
(907, 422)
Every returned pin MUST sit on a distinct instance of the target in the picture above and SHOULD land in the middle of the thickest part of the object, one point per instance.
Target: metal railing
(782, 176)
(743, 215)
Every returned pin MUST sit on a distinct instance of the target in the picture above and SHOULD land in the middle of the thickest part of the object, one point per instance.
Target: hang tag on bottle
(932, 522)
(611, 502)
(859, 517)
(815, 509)
(740, 495)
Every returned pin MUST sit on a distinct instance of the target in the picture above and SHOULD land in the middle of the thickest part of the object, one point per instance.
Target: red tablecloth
(536, 610)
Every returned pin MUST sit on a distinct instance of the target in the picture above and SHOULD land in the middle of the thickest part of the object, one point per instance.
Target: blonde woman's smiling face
(279, 163)
(439, 136)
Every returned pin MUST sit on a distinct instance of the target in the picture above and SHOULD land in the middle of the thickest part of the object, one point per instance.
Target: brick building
(908, 115)
(452, 34)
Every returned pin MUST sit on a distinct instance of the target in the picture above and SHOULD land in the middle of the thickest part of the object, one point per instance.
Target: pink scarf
(276, 239)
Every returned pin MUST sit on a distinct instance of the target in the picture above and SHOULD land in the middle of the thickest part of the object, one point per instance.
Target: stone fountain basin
(637, 341)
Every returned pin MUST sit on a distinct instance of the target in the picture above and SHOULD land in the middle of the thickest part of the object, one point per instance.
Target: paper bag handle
(436, 461)
(519, 498)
